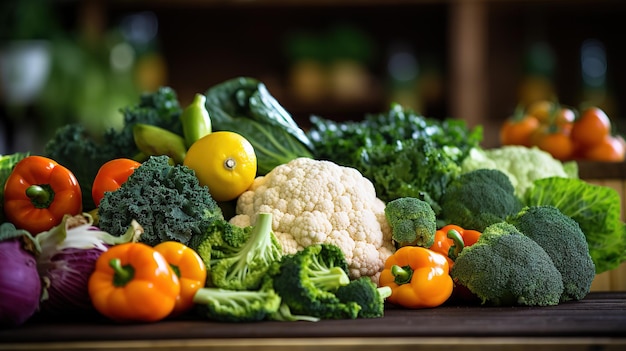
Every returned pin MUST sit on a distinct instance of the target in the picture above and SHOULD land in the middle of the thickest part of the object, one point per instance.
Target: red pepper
(111, 176)
(451, 239)
(39, 192)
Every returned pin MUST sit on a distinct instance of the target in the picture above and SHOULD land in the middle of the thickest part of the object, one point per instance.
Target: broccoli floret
(226, 305)
(308, 279)
(166, 200)
(243, 267)
(413, 221)
(366, 294)
(221, 239)
(505, 267)
(479, 198)
(561, 237)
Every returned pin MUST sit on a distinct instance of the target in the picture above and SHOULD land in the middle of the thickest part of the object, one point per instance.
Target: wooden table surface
(597, 322)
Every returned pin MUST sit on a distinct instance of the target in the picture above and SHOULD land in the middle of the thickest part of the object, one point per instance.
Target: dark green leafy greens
(596, 208)
(73, 147)
(167, 201)
(160, 108)
(401, 152)
(245, 106)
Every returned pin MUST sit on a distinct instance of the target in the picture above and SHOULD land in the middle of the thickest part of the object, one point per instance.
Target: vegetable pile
(564, 132)
(226, 210)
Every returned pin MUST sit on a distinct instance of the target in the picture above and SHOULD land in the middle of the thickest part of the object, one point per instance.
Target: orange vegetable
(591, 127)
(111, 176)
(133, 282)
(189, 268)
(451, 239)
(418, 278)
(39, 192)
(542, 110)
(564, 118)
(517, 130)
(548, 112)
(555, 141)
(610, 149)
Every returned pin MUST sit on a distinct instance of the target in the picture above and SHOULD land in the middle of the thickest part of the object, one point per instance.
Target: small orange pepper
(189, 268)
(451, 239)
(418, 278)
(132, 282)
(111, 176)
(39, 192)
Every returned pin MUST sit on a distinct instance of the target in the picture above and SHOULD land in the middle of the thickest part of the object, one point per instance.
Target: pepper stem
(40, 195)
(458, 246)
(123, 274)
(402, 275)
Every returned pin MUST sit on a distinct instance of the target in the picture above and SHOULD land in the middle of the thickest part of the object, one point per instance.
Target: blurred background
(63, 61)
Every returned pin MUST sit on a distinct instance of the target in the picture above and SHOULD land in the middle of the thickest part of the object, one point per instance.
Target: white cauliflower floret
(523, 165)
(315, 201)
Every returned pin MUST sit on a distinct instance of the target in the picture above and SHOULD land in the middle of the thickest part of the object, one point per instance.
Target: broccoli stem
(284, 314)
(260, 238)
(227, 297)
(384, 292)
(403, 275)
(458, 246)
(256, 248)
(325, 278)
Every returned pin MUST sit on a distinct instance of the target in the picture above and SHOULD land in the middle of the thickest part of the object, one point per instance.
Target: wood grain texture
(598, 316)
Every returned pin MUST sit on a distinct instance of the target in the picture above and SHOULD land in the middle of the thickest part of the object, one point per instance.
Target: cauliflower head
(523, 165)
(316, 201)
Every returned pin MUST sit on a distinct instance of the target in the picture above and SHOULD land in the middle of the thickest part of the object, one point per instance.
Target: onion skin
(20, 285)
(66, 282)
(67, 258)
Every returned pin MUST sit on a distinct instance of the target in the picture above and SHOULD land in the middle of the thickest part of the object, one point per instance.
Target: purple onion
(20, 285)
(66, 282)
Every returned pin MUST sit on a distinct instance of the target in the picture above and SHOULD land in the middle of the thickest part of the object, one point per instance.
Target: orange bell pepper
(39, 192)
(189, 268)
(451, 239)
(111, 176)
(418, 278)
(132, 282)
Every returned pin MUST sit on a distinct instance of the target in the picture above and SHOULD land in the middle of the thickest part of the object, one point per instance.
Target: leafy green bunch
(167, 201)
(83, 153)
(400, 151)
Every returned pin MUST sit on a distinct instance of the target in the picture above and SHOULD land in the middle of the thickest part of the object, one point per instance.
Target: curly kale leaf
(73, 147)
(410, 168)
(401, 152)
(341, 141)
(166, 200)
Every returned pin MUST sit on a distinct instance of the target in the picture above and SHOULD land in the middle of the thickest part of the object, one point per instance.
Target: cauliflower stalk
(316, 201)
